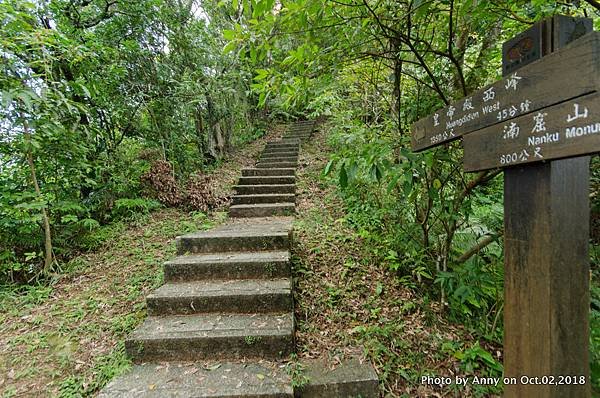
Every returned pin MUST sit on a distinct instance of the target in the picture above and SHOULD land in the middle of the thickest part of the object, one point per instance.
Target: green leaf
(328, 167)
(229, 47)
(393, 182)
(262, 99)
(261, 74)
(229, 34)
(90, 224)
(343, 177)
(69, 218)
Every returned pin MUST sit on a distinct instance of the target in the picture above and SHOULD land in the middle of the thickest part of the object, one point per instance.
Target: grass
(66, 338)
(348, 304)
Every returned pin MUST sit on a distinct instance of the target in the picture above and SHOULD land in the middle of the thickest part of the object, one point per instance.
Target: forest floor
(66, 338)
(348, 304)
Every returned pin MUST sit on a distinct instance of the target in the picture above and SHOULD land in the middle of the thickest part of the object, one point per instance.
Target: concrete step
(262, 210)
(254, 172)
(350, 378)
(270, 155)
(239, 236)
(232, 265)
(265, 188)
(293, 142)
(227, 296)
(259, 379)
(211, 336)
(263, 198)
(287, 143)
(283, 145)
(280, 154)
(257, 180)
(276, 165)
(278, 159)
(280, 151)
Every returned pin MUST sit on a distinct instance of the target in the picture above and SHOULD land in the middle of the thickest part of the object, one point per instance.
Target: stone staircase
(223, 322)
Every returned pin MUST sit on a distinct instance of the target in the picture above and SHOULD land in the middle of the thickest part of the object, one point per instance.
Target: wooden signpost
(538, 122)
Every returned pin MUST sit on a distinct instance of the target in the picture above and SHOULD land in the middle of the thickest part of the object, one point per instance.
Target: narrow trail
(223, 325)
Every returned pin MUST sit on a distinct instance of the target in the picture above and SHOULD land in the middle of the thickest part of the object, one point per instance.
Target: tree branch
(477, 248)
(594, 4)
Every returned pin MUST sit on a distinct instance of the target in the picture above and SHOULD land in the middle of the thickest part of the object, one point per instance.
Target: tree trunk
(48, 255)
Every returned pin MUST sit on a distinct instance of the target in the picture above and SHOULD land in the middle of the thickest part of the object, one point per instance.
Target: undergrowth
(65, 337)
(357, 289)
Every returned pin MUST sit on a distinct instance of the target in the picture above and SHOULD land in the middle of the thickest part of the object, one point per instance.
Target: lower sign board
(568, 73)
(565, 130)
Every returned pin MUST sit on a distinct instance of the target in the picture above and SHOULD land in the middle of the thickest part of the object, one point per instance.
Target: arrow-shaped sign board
(565, 130)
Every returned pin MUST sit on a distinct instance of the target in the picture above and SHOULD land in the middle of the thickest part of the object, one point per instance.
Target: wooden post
(546, 291)
(541, 111)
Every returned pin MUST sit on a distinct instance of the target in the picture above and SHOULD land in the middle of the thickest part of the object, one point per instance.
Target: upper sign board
(566, 74)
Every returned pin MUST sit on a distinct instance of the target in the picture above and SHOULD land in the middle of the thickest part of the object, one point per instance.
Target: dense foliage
(95, 95)
(109, 106)
(374, 67)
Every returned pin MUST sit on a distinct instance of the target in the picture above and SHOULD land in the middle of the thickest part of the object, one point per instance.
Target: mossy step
(239, 236)
(227, 296)
(285, 141)
(232, 265)
(212, 336)
(262, 210)
(269, 180)
(293, 133)
(277, 156)
(292, 156)
(258, 379)
(276, 152)
(349, 379)
(265, 188)
(278, 160)
(254, 172)
(275, 165)
(271, 152)
(263, 198)
(295, 145)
